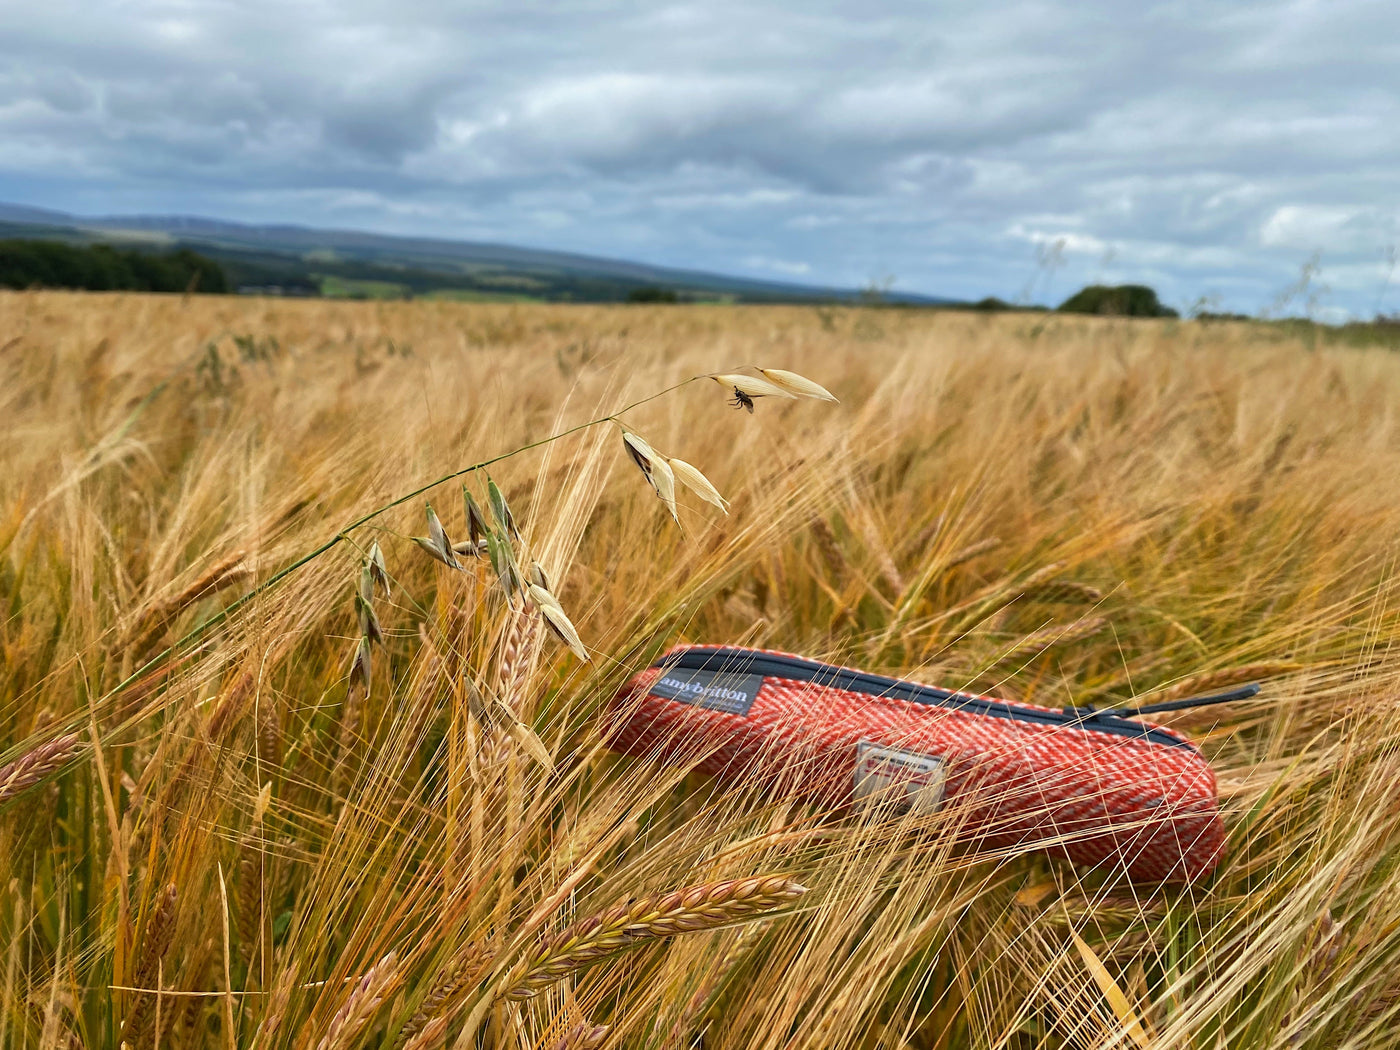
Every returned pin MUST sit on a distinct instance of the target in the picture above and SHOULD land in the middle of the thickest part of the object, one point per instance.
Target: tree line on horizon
(103, 268)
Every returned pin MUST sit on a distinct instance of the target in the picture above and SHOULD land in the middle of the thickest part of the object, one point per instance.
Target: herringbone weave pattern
(1097, 797)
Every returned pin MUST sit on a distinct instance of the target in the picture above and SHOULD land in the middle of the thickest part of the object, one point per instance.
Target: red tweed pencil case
(1100, 787)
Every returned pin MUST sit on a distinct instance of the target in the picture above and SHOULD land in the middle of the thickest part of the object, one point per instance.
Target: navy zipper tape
(748, 661)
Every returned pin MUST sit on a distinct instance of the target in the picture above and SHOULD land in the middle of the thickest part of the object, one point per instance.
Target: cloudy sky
(1018, 149)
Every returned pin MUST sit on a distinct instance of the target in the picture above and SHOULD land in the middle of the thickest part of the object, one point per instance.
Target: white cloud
(792, 269)
(1319, 227)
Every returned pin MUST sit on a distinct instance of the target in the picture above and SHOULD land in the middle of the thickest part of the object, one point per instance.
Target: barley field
(270, 781)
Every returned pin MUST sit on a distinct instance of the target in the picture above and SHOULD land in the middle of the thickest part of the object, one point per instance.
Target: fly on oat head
(747, 388)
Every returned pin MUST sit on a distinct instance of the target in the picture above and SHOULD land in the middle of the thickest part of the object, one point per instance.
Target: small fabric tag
(909, 780)
(717, 690)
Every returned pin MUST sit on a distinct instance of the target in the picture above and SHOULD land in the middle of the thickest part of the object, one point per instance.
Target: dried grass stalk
(269, 734)
(248, 914)
(35, 765)
(360, 1004)
(625, 926)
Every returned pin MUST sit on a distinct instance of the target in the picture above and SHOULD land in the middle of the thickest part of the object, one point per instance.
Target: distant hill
(298, 260)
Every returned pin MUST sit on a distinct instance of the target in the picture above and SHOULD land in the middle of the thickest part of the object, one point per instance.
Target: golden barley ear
(360, 1005)
(647, 919)
(1060, 634)
(1210, 681)
(443, 999)
(159, 933)
(582, 1036)
(36, 765)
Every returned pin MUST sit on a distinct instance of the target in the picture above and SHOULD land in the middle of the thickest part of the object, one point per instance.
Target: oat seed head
(538, 576)
(796, 385)
(665, 482)
(692, 479)
(378, 571)
(642, 454)
(436, 544)
(476, 520)
(501, 511)
(563, 628)
(360, 666)
(541, 597)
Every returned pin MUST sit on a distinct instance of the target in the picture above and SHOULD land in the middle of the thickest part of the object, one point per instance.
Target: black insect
(742, 400)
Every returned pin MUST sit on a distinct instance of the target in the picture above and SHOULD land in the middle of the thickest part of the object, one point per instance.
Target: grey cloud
(1205, 146)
